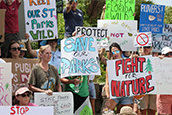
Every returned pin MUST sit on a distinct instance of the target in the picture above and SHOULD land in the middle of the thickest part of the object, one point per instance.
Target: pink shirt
(30, 104)
(11, 16)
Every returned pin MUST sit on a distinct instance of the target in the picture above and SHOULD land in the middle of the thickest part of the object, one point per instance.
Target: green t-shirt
(83, 87)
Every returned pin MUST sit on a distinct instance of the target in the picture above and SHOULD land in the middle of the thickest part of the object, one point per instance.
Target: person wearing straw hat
(126, 110)
(23, 50)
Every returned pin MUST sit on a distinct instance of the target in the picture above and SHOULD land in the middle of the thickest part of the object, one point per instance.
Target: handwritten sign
(99, 33)
(59, 6)
(21, 69)
(129, 77)
(2, 25)
(79, 57)
(26, 110)
(163, 72)
(62, 102)
(85, 108)
(40, 19)
(120, 9)
(143, 39)
(121, 32)
(5, 85)
(151, 18)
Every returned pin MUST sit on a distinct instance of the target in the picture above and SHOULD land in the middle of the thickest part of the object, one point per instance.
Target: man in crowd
(11, 23)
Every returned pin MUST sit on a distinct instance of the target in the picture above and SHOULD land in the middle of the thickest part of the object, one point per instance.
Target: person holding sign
(164, 102)
(22, 97)
(14, 50)
(44, 77)
(73, 17)
(11, 23)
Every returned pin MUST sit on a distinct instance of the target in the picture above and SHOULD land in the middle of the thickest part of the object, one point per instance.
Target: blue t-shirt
(72, 19)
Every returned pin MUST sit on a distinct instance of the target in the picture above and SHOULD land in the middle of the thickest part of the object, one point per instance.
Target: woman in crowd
(22, 97)
(115, 53)
(14, 50)
(44, 77)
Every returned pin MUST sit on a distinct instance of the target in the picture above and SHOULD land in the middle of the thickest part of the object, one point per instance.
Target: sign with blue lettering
(79, 56)
(151, 18)
(40, 19)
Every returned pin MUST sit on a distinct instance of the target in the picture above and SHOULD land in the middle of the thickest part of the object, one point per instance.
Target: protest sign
(62, 102)
(21, 69)
(5, 84)
(160, 41)
(163, 72)
(59, 6)
(85, 108)
(121, 32)
(129, 77)
(79, 56)
(120, 9)
(143, 39)
(99, 33)
(40, 19)
(151, 18)
(26, 110)
(2, 25)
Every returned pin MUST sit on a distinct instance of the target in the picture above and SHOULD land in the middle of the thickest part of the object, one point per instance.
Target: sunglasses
(117, 52)
(147, 47)
(51, 41)
(14, 49)
(168, 54)
(24, 95)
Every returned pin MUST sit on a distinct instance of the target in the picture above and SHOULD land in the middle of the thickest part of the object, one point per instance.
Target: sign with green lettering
(86, 111)
(120, 9)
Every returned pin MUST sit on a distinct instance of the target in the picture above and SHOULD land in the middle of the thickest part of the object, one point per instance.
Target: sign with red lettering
(129, 77)
(26, 110)
(5, 85)
(143, 39)
(20, 69)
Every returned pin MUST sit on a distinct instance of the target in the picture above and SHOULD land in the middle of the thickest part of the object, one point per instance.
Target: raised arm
(69, 5)
(19, 1)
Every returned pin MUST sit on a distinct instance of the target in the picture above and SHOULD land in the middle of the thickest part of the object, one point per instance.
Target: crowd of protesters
(45, 77)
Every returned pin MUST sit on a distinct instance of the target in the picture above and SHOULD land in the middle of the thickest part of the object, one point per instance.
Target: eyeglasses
(168, 54)
(24, 95)
(147, 47)
(51, 41)
(14, 48)
(117, 52)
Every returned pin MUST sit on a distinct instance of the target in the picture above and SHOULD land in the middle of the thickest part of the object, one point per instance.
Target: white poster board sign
(99, 33)
(79, 56)
(85, 108)
(62, 102)
(163, 74)
(40, 19)
(5, 84)
(26, 110)
(121, 32)
(129, 77)
(143, 39)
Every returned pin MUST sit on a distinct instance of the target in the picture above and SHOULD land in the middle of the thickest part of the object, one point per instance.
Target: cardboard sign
(2, 25)
(99, 33)
(62, 102)
(26, 110)
(162, 40)
(59, 6)
(120, 9)
(40, 19)
(151, 18)
(85, 108)
(121, 32)
(79, 57)
(129, 77)
(5, 85)
(143, 39)
(163, 72)
(21, 69)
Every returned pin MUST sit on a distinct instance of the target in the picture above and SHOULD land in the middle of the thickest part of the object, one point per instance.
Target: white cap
(166, 50)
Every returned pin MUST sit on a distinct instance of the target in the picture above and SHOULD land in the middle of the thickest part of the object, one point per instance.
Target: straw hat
(127, 110)
(22, 45)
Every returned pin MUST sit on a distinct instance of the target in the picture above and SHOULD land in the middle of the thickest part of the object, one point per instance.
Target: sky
(163, 2)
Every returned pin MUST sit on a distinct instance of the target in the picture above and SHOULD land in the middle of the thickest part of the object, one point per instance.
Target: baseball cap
(165, 50)
(22, 90)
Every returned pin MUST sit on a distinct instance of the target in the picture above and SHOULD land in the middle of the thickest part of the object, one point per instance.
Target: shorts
(148, 102)
(92, 90)
(164, 104)
(124, 100)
